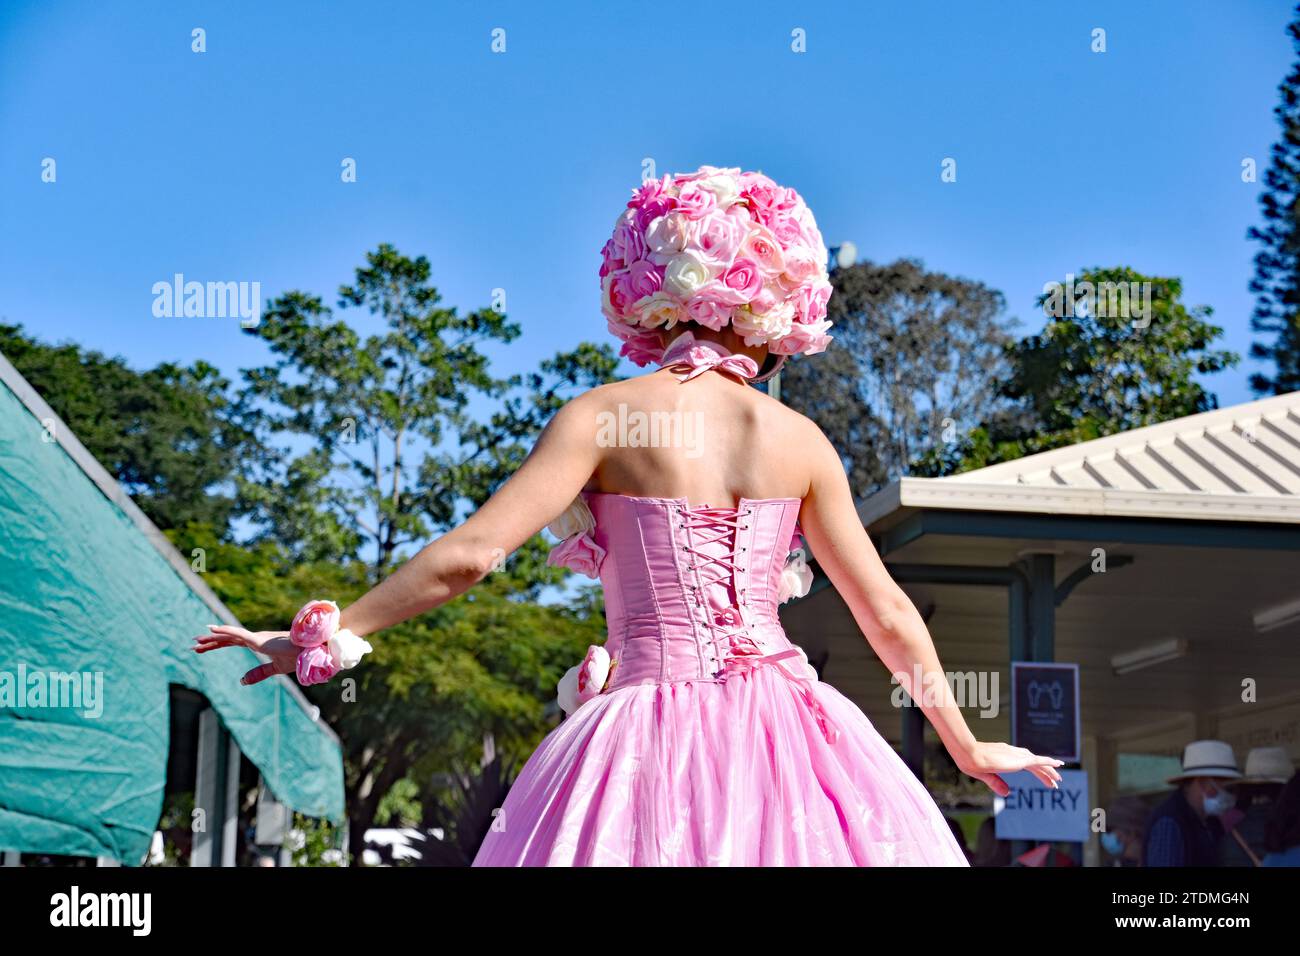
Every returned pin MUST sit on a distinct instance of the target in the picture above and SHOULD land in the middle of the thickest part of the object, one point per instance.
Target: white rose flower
(584, 681)
(566, 691)
(796, 578)
(576, 519)
(725, 188)
(765, 327)
(667, 236)
(686, 274)
(348, 649)
(660, 309)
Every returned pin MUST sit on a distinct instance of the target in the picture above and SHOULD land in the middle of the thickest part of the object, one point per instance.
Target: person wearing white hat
(1267, 769)
(1185, 829)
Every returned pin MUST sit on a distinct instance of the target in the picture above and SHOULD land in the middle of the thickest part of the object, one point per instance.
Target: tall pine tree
(1277, 265)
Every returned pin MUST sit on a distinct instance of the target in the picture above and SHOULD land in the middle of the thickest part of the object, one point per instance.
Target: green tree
(1277, 264)
(173, 435)
(914, 351)
(1095, 369)
(391, 454)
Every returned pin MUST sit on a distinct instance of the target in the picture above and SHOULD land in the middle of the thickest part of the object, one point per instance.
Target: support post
(230, 823)
(210, 791)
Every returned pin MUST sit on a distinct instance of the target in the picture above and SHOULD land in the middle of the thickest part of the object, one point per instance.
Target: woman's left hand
(283, 653)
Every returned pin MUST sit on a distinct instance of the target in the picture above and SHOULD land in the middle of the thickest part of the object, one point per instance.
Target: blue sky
(507, 170)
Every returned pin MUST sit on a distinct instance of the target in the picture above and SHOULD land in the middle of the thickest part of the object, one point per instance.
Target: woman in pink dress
(698, 734)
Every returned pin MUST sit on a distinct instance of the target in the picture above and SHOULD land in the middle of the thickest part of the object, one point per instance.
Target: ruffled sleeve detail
(578, 551)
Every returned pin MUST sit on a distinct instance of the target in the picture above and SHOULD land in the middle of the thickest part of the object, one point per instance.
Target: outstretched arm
(546, 483)
(892, 625)
(564, 458)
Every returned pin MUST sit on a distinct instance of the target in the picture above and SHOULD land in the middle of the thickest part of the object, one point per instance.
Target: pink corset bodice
(691, 593)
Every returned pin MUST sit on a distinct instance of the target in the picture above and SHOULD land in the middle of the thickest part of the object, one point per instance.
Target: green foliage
(1089, 375)
(316, 843)
(392, 455)
(171, 435)
(176, 824)
(912, 350)
(1277, 264)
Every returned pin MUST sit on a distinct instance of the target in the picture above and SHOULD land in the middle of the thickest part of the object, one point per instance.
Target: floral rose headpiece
(717, 247)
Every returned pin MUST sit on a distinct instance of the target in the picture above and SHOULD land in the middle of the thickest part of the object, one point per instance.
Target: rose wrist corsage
(326, 649)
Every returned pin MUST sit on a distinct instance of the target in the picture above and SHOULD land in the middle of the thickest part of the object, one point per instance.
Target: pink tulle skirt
(739, 773)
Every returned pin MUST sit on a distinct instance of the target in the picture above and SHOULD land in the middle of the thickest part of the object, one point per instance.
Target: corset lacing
(733, 622)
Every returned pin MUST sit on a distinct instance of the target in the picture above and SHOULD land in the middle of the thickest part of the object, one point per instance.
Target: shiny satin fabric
(713, 743)
(700, 579)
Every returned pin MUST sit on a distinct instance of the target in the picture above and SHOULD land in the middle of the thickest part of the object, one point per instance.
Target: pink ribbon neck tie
(703, 355)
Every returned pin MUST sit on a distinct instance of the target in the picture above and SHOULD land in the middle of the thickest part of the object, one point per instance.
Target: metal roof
(1240, 463)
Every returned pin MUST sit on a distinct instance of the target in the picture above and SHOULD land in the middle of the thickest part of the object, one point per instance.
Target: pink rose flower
(810, 302)
(648, 190)
(719, 235)
(653, 209)
(761, 246)
(803, 339)
(706, 309)
(644, 278)
(619, 292)
(316, 666)
(766, 198)
(314, 624)
(629, 242)
(744, 279)
(579, 553)
(609, 259)
(801, 265)
(641, 347)
(786, 228)
(696, 202)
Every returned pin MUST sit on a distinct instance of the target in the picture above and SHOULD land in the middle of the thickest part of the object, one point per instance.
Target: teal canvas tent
(97, 616)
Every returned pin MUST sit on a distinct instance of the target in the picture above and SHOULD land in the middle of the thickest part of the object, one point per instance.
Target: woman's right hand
(283, 653)
(986, 759)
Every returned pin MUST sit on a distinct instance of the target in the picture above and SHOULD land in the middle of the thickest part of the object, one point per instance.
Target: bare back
(712, 440)
(732, 442)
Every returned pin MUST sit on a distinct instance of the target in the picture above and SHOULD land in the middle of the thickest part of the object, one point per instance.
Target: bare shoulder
(793, 427)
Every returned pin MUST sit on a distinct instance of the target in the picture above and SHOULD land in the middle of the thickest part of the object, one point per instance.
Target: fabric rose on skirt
(796, 578)
(584, 681)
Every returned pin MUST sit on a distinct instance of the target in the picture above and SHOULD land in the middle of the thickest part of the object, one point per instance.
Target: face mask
(1218, 804)
(1112, 844)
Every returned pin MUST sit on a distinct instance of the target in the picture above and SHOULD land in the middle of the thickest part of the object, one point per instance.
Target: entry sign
(1035, 811)
(1045, 709)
